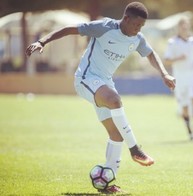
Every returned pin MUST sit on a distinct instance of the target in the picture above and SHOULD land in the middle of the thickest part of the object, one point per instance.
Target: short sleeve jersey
(176, 48)
(108, 47)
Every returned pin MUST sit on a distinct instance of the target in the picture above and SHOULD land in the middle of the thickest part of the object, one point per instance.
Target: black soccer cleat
(140, 157)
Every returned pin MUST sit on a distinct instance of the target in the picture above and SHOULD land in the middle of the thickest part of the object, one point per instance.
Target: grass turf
(48, 144)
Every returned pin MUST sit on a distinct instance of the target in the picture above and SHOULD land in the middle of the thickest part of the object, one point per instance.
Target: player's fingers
(28, 52)
(32, 49)
(41, 50)
(172, 85)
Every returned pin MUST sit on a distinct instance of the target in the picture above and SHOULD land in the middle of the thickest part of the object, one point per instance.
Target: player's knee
(114, 102)
(116, 137)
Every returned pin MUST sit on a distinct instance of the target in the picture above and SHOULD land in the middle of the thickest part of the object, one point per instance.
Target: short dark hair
(135, 9)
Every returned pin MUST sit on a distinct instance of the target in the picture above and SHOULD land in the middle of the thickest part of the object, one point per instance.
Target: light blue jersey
(108, 48)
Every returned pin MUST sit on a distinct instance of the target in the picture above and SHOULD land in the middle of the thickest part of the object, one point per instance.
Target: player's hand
(181, 58)
(170, 81)
(34, 47)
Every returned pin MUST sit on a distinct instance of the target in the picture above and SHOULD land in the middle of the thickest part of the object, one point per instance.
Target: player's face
(133, 25)
(184, 28)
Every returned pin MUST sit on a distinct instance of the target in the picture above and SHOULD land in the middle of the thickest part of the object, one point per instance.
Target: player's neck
(122, 27)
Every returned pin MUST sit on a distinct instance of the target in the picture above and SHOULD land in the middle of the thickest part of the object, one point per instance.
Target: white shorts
(86, 88)
(184, 96)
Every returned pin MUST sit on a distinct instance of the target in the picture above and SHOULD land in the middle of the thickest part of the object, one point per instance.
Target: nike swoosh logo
(111, 42)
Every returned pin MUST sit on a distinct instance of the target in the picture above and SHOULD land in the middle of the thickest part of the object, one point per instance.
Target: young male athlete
(179, 55)
(111, 41)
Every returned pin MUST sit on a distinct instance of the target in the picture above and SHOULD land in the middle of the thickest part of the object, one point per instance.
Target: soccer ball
(101, 176)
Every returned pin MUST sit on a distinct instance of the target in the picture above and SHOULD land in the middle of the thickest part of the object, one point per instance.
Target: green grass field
(48, 144)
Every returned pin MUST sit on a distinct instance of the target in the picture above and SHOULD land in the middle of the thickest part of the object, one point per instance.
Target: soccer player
(111, 41)
(179, 55)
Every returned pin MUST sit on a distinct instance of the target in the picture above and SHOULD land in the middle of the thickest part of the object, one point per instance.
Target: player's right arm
(39, 45)
(170, 61)
(170, 56)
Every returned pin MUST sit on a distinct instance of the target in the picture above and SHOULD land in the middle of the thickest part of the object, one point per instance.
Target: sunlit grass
(48, 144)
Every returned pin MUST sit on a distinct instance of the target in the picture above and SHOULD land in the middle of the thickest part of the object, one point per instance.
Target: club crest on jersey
(95, 82)
(131, 47)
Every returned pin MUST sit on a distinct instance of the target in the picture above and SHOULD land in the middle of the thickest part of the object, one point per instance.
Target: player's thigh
(86, 88)
(108, 97)
(182, 96)
(103, 113)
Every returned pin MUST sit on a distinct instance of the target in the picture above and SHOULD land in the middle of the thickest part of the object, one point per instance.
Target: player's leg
(113, 155)
(114, 146)
(107, 97)
(186, 117)
(88, 89)
(95, 91)
(182, 94)
(191, 115)
(191, 108)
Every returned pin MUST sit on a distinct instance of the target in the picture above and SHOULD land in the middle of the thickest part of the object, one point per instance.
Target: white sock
(113, 155)
(120, 120)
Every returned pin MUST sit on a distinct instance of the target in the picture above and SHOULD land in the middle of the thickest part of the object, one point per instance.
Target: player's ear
(126, 18)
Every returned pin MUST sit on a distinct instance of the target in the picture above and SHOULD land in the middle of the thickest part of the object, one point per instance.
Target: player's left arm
(39, 45)
(156, 62)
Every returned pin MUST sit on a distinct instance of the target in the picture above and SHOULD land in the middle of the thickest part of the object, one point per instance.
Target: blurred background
(23, 22)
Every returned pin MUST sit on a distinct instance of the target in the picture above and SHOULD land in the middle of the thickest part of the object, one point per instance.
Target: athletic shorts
(184, 95)
(86, 88)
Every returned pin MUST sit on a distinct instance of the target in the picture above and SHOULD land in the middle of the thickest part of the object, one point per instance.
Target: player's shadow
(93, 194)
(80, 194)
(177, 142)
